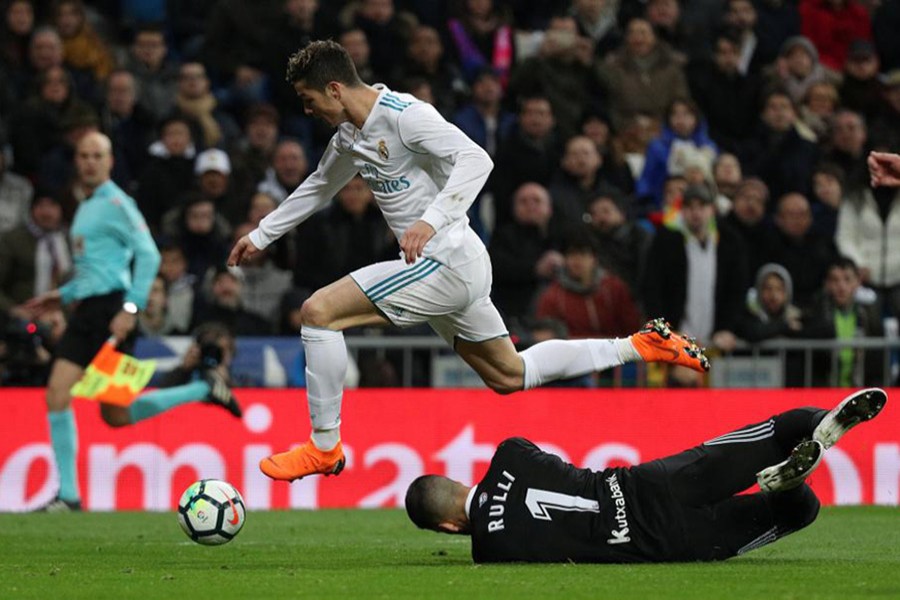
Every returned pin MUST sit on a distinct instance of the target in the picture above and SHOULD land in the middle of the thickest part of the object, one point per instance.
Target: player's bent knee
(797, 508)
(314, 313)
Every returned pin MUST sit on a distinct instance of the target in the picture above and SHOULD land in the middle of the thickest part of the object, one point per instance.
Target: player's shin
(564, 359)
(326, 367)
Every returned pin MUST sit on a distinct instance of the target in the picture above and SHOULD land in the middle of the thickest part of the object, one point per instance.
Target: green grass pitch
(847, 553)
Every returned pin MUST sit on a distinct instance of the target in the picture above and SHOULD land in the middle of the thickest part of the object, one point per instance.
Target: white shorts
(455, 302)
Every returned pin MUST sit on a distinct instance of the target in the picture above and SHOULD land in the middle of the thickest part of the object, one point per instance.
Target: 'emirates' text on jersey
(532, 506)
(419, 167)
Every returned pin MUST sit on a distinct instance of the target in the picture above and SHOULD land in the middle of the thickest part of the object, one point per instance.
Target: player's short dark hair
(320, 63)
(429, 501)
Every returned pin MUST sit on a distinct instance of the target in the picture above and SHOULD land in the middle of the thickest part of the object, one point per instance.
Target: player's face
(93, 160)
(322, 104)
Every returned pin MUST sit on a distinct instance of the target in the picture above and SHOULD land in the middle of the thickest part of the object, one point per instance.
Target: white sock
(326, 367)
(563, 359)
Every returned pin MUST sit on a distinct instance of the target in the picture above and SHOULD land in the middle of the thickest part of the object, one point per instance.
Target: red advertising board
(392, 436)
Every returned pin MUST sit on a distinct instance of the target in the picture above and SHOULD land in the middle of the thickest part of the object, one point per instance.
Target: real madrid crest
(382, 150)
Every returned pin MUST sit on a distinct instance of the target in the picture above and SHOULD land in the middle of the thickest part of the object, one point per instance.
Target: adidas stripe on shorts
(455, 302)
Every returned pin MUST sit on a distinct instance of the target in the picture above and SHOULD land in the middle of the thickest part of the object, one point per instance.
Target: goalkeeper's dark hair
(430, 501)
(321, 62)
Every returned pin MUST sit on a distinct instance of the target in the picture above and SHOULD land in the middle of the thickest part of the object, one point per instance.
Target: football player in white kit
(424, 173)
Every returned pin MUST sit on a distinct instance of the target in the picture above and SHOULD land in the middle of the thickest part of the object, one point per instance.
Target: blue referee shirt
(107, 234)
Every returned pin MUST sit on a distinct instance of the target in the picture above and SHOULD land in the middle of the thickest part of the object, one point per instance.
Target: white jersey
(418, 166)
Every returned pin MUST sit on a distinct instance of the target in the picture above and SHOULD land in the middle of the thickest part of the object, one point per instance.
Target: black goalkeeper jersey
(532, 506)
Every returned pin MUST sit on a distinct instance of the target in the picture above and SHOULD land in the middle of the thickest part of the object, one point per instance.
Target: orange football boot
(303, 460)
(656, 342)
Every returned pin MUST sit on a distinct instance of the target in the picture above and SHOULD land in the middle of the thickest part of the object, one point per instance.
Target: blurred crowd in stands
(702, 160)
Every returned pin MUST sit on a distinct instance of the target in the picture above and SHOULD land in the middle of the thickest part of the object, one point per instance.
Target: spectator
(531, 153)
(742, 19)
(777, 20)
(798, 248)
(748, 219)
(797, 68)
(828, 193)
(16, 31)
(288, 169)
(15, 195)
(83, 48)
(886, 128)
(696, 273)
(212, 171)
(154, 320)
(577, 182)
(614, 168)
(201, 232)
(36, 127)
(128, 125)
(770, 313)
(483, 119)
(194, 99)
(524, 253)
(301, 22)
(265, 283)
(665, 17)
(860, 88)
(357, 45)
(848, 149)
(634, 138)
(868, 232)
(725, 96)
(426, 60)
(34, 255)
(818, 108)
(683, 141)
(387, 30)
(597, 21)
(563, 71)
(169, 171)
(284, 250)
(350, 234)
(179, 286)
(156, 74)
(224, 303)
(838, 314)
(832, 25)
(622, 245)
(252, 154)
(57, 168)
(480, 38)
(778, 154)
(643, 76)
(591, 301)
(238, 34)
(727, 176)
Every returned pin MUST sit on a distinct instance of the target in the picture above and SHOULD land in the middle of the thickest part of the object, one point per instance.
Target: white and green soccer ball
(211, 512)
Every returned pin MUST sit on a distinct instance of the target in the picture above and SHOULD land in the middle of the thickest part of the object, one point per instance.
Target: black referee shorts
(88, 328)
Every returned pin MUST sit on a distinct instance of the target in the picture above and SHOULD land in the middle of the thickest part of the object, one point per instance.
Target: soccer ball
(211, 512)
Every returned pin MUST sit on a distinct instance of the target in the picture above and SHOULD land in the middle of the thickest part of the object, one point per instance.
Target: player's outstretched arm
(884, 169)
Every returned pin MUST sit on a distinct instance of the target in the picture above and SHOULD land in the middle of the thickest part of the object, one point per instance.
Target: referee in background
(115, 261)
